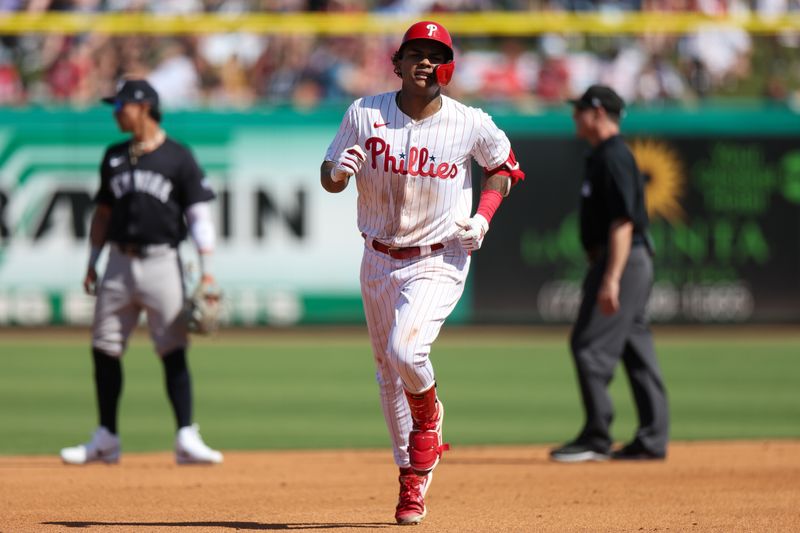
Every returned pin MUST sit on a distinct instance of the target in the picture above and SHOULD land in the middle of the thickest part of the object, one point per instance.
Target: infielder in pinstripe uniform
(411, 153)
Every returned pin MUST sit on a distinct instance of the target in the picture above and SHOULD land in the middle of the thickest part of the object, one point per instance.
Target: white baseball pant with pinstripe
(415, 183)
(406, 301)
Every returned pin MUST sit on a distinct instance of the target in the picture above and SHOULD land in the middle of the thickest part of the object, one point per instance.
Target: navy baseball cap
(134, 91)
(598, 96)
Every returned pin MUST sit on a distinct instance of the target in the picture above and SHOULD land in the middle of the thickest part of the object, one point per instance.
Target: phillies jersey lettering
(417, 159)
(417, 179)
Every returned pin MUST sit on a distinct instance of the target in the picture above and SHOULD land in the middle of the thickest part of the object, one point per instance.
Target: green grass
(312, 389)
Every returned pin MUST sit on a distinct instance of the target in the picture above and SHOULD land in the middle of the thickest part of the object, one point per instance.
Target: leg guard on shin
(425, 446)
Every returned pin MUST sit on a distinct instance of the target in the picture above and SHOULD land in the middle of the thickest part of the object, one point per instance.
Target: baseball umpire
(151, 191)
(612, 322)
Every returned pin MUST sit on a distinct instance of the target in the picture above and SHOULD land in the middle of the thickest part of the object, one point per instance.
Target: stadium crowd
(237, 70)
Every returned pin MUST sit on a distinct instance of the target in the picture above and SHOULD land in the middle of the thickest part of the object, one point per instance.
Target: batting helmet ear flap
(444, 72)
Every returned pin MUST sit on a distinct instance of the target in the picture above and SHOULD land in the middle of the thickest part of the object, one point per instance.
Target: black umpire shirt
(148, 195)
(612, 188)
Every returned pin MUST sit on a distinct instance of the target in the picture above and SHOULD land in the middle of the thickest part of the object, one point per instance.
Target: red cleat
(411, 505)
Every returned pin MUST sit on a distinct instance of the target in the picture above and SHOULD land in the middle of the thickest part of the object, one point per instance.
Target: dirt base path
(724, 487)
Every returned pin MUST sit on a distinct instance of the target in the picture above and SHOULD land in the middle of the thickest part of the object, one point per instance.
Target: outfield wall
(724, 184)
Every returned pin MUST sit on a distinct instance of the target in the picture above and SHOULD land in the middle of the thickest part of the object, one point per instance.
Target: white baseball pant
(406, 302)
(132, 284)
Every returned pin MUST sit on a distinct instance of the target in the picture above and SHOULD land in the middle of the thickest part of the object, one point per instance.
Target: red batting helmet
(433, 31)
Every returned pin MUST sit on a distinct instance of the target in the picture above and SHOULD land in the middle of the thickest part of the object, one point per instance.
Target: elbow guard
(509, 168)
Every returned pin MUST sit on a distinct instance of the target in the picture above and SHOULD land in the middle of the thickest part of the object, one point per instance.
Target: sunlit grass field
(315, 388)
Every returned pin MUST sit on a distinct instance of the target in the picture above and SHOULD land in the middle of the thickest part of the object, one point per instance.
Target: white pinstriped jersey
(416, 181)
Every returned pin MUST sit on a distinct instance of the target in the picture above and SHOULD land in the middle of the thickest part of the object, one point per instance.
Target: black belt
(406, 252)
(599, 250)
(140, 250)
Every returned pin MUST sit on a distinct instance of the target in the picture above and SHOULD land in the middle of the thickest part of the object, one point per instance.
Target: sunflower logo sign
(790, 184)
(737, 179)
(697, 260)
(665, 181)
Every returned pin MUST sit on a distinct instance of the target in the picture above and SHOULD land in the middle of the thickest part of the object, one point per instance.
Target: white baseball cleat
(104, 447)
(190, 448)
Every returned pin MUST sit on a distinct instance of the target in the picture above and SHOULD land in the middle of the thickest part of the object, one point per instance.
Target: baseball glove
(204, 307)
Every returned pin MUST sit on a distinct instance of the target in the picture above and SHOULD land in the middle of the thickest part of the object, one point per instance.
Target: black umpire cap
(134, 91)
(598, 96)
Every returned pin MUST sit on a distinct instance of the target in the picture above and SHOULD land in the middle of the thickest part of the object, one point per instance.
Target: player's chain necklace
(137, 149)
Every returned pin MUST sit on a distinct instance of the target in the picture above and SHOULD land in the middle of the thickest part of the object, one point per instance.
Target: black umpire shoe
(636, 452)
(577, 452)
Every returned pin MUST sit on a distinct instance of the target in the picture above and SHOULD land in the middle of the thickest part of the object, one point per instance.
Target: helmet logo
(432, 29)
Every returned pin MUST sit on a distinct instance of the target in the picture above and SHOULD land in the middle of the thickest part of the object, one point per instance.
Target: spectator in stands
(512, 75)
(659, 81)
(69, 75)
(11, 5)
(553, 80)
(11, 90)
(224, 63)
(621, 67)
(240, 71)
(175, 77)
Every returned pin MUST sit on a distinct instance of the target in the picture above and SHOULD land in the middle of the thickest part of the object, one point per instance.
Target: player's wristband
(94, 255)
(206, 260)
(488, 204)
(335, 178)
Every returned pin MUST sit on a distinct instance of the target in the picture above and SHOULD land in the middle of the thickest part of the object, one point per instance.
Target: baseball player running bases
(410, 153)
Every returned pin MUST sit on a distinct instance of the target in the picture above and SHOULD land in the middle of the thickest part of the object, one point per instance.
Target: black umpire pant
(598, 342)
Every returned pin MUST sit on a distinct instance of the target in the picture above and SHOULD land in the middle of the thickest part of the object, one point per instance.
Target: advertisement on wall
(725, 218)
(723, 197)
(287, 251)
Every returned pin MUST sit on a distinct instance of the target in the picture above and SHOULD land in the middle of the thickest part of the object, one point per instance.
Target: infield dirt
(702, 486)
